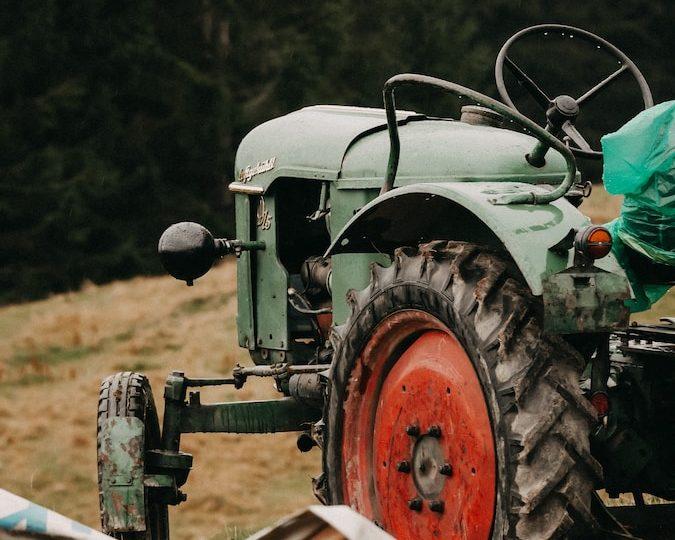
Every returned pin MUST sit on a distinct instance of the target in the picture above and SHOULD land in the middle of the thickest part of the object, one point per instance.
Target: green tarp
(639, 163)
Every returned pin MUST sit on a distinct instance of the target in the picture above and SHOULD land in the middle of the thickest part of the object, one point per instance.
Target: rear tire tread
(553, 472)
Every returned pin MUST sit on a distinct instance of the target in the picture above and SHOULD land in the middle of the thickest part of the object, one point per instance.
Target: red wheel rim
(439, 481)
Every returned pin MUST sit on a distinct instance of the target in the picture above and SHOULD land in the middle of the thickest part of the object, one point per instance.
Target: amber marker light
(593, 242)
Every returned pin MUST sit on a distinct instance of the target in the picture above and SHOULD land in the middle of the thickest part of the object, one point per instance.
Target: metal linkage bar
(210, 381)
(269, 416)
(240, 374)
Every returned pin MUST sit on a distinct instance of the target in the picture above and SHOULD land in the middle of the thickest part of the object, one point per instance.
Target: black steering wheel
(561, 111)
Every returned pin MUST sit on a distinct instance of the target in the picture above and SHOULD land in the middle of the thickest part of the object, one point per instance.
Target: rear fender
(463, 211)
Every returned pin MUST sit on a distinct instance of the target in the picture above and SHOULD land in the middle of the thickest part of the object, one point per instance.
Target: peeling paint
(121, 459)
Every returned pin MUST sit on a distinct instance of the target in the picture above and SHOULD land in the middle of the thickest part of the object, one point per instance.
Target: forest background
(119, 118)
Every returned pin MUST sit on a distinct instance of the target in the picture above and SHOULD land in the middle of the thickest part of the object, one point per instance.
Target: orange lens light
(599, 243)
(594, 242)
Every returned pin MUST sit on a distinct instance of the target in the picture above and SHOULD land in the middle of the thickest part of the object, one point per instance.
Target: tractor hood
(350, 145)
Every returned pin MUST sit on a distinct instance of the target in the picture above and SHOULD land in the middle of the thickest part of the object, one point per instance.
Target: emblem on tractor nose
(263, 219)
(248, 172)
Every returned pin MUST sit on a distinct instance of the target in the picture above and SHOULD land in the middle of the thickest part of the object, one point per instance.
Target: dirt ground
(54, 352)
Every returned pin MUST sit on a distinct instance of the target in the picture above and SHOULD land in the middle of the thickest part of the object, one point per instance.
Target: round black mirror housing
(187, 250)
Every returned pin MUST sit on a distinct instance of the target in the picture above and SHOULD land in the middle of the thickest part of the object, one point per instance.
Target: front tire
(448, 336)
(129, 394)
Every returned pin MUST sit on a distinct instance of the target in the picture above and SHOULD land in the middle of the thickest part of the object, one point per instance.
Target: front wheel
(129, 394)
(450, 413)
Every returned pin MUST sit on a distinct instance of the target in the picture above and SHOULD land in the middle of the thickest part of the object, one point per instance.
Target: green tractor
(439, 318)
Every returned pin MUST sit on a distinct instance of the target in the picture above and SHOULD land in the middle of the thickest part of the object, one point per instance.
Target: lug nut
(415, 504)
(446, 469)
(403, 466)
(413, 430)
(434, 431)
(437, 506)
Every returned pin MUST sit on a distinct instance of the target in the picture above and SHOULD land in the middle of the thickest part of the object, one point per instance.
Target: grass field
(54, 352)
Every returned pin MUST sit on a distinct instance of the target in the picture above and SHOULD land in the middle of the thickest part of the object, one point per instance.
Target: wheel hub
(427, 462)
(418, 449)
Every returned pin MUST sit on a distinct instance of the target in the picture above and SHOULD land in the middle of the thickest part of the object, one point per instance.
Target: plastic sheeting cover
(639, 163)
(24, 519)
(325, 522)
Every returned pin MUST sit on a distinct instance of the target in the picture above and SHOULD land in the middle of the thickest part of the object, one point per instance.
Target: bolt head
(403, 466)
(566, 105)
(415, 504)
(434, 431)
(437, 506)
(446, 469)
(413, 430)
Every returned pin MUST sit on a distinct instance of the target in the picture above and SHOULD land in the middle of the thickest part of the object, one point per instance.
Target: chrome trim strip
(238, 187)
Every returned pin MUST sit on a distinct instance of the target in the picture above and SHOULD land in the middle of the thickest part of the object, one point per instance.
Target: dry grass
(601, 207)
(54, 352)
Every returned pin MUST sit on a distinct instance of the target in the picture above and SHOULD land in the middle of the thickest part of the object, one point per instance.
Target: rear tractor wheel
(450, 413)
(128, 395)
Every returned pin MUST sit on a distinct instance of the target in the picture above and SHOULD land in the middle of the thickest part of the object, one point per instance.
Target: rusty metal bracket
(159, 481)
(123, 493)
(585, 300)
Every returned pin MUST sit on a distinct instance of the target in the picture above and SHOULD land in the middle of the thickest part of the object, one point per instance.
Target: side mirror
(187, 250)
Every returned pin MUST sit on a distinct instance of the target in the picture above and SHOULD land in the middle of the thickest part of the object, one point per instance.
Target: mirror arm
(227, 247)
(188, 250)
